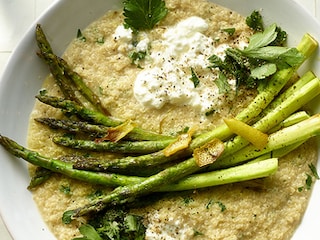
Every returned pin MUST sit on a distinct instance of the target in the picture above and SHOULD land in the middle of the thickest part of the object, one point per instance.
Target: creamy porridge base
(268, 208)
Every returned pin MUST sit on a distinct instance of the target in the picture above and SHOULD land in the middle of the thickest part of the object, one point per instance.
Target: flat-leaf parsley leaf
(143, 14)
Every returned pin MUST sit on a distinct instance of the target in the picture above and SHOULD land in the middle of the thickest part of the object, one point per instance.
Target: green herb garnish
(136, 57)
(197, 233)
(80, 36)
(143, 14)
(314, 171)
(230, 31)
(194, 78)
(100, 40)
(65, 189)
(259, 60)
(113, 224)
(222, 83)
(255, 21)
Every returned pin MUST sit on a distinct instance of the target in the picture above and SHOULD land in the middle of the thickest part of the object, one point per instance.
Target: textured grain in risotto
(269, 208)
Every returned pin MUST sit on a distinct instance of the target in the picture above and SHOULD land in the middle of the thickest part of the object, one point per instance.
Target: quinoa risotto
(269, 208)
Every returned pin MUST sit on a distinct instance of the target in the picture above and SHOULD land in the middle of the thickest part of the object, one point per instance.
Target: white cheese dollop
(166, 75)
(123, 34)
(166, 80)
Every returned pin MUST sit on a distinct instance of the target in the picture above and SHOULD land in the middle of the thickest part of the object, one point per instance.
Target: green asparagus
(68, 80)
(59, 166)
(282, 138)
(124, 147)
(74, 126)
(97, 117)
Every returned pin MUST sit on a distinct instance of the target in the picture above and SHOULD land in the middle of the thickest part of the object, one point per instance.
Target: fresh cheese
(166, 75)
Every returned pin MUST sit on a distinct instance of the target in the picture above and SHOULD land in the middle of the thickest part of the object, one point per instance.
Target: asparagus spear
(64, 75)
(125, 147)
(57, 72)
(58, 166)
(295, 101)
(248, 171)
(74, 126)
(98, 118)
(282, 138)
(126, 194)
(114, 180)
(291, 120)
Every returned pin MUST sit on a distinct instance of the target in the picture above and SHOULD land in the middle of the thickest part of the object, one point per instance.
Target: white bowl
(25, 72)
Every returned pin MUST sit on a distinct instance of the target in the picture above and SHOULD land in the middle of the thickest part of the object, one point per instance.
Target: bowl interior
(25, 72)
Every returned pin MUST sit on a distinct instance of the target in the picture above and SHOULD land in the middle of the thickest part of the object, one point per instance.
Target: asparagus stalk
(295, 101)
(282, 138)
(248, 171)
(74, 126)
(124, 147)
(127, 194)
(114, 180)
(98, 118)
(64, 75)
(65, 168)
(307, 77)
(291, 120)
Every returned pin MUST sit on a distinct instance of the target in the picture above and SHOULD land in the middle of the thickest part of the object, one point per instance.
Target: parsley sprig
(143, 14)
(263, 57)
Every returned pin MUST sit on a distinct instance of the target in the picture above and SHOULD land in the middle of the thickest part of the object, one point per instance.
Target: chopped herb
(264, 71)
(113, 224)
(209, 204)
(65, 189)
(255, 21)
(281, 37)
(314, 171)
(197, 233)
(184, 130)
(88, 232)
(101, 90)
(194, 78)
(230, 31)
(188, 199)
(95, 194)
(80, 36)
(210, 112)
(100, 40)
(137, 56)
(308, 182)
(222, 83)
(220, 204)
(143, 14)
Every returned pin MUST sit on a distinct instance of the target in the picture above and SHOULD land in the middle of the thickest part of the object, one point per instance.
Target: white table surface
(17, 15)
